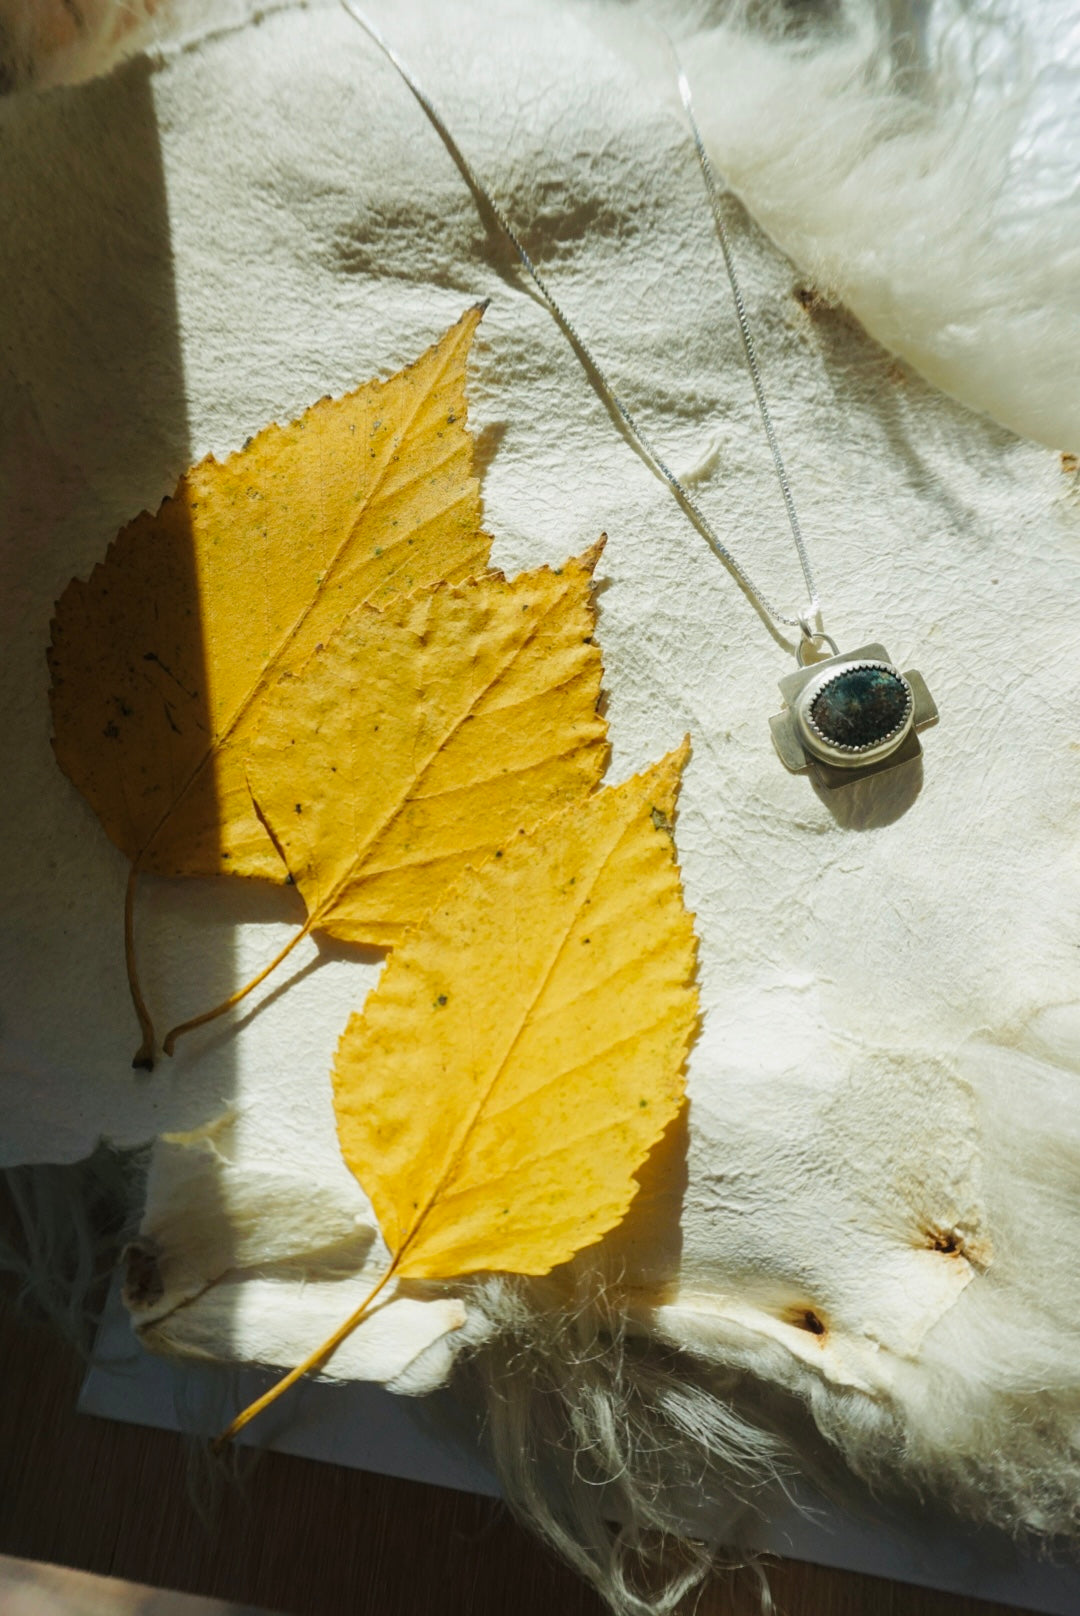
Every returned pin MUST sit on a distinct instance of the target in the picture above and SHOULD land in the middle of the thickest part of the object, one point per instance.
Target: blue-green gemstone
(861, 707)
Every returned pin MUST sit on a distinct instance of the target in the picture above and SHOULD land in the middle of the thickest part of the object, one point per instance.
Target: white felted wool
(919, 162)
(865, 1207)
(223, 1245)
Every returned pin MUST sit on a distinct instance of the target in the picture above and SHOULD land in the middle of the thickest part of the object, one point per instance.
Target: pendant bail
(811, 636)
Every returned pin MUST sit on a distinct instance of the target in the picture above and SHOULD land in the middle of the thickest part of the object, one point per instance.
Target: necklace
(845, 715)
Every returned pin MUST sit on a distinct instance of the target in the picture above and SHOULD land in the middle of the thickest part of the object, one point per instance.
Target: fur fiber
(604, 1443)
(919, 161)
(68, 1223)
(589, 1423)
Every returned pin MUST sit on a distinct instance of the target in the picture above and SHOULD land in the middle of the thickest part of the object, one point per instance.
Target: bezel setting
(804, 748)
(842, 755)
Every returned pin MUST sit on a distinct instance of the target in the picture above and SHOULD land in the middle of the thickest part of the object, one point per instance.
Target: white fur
(919, 161)
(606, 1445)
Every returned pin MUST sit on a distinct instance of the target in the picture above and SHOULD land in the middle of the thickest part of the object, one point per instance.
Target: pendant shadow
(876, 801)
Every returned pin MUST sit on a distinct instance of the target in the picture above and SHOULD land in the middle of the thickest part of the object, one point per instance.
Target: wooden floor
(301, 1537)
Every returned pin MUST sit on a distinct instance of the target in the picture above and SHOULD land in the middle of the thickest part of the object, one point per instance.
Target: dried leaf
(160, 661)
(418, 739)
(524, 1049)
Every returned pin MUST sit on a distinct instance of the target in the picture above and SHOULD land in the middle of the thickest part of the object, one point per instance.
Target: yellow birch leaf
(161, 659)
(523, 1051)
(420, 737)
(524, 1048)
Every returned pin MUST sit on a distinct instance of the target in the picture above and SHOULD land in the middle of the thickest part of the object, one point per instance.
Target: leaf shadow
(329, 949)
(335, 948)
(224, 1030)
(486, 445)
(647, 1243)
(231, 902)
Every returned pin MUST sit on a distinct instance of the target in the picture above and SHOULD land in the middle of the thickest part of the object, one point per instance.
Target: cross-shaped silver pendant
(851, 715)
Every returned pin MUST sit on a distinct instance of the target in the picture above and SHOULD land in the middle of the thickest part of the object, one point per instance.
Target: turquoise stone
(860, 707)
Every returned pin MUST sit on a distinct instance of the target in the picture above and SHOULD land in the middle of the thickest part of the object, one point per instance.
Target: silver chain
(804, 620)
(752, 364)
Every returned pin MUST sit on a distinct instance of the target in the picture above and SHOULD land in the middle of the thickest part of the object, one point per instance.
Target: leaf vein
(579, 1066)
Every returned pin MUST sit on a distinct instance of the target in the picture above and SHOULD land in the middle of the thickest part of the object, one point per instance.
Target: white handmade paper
(884, 1124)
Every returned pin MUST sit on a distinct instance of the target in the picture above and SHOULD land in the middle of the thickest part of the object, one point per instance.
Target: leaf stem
(143, 1059)
(312, 1361)
(241, 993)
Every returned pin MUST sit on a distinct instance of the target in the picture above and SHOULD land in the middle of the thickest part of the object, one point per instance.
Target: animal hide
(873, 1213)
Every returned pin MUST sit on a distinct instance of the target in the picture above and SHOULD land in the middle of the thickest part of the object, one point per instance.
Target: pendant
(851, 715)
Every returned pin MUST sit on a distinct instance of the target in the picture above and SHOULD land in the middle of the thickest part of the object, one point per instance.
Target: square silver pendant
(851, 715)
